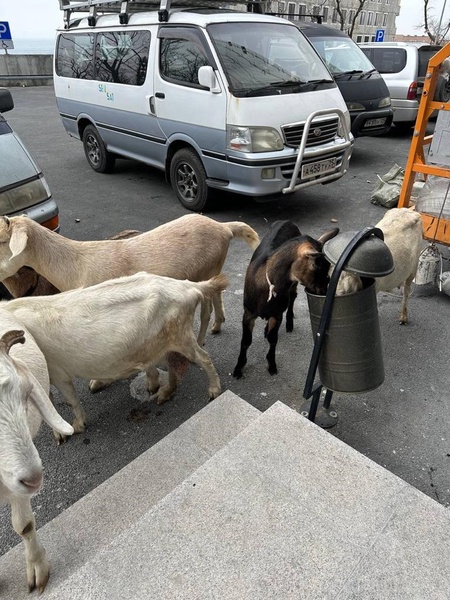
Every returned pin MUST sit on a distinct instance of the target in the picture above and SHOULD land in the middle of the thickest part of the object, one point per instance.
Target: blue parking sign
(379, 35)
(5, 36)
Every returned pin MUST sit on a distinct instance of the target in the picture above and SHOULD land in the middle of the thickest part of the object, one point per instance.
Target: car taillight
(412, 91)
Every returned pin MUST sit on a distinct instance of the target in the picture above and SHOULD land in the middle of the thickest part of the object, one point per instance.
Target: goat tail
(245, 232)
(213, 286)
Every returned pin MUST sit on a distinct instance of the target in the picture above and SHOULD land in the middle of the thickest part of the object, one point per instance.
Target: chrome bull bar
(346, 146)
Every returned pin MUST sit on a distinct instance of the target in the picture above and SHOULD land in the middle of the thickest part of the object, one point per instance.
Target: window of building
(316, 10)
(344, 16)
(358, 39)
(291, 10)
(351, 16)
(181, 55)
(369, 18)
(385, 18)
(373, 38)
(325, 14)
(282, 7)
(362, 17)
(377, 18)
(302, 12)
(334, 18)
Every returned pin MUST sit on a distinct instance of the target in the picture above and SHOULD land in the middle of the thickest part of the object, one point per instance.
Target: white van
(216, 98)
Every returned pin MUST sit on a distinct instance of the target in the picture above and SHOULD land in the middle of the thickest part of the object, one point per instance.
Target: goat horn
(10, 338)
(328, 235)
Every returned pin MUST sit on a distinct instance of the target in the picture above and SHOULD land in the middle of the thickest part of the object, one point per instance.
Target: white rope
(272, 292)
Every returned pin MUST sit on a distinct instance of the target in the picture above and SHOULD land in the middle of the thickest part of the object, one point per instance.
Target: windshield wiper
(368, 74)
(288, 83)
(349, 73)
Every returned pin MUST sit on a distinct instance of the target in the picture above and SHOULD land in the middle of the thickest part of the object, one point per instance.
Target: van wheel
(188, 179)
(96, 153)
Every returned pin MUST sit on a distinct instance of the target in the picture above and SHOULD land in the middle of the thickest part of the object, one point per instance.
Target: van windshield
(342, 55)
(267, 59)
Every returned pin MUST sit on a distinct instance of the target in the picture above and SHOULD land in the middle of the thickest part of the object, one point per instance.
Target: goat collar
(272, 292)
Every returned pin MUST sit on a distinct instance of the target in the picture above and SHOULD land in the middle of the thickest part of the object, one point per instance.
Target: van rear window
(119, 57)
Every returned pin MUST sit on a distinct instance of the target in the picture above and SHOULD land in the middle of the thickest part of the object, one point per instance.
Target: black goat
(283, 259)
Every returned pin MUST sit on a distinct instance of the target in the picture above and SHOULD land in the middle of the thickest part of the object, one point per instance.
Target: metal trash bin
(351, 360)
(347, 348)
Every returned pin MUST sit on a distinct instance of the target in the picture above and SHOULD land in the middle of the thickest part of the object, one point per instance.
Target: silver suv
(403, 65)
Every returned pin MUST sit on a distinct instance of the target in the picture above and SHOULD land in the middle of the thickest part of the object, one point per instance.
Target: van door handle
(160, 95)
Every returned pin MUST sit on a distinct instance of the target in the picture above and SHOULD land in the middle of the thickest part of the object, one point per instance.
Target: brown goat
(283, 259)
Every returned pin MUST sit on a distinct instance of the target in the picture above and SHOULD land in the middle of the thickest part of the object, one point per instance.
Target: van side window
(122, 56)
(181, 54)
(74, 55)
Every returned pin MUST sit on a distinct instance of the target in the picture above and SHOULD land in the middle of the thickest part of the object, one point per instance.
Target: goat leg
(248, 323)
(23, 521)
(271, 333)
(290, 309)
(404, 306)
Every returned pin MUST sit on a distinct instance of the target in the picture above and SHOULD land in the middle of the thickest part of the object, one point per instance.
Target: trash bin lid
(370, 258)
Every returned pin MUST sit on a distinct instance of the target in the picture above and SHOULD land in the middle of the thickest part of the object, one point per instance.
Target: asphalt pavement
(403, 425)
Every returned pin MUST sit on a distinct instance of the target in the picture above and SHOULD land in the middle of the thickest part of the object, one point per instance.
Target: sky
(40, 18)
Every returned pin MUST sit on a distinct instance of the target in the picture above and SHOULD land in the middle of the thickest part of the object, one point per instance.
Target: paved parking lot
(403, 425)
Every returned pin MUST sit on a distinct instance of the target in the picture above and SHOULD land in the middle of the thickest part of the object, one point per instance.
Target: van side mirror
(207, 78)
(6, 100)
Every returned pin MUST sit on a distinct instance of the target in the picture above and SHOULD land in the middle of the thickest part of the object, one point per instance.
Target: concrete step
(79, 533)
(284, 511)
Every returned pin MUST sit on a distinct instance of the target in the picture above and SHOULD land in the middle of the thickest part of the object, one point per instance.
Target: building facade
(375, 16)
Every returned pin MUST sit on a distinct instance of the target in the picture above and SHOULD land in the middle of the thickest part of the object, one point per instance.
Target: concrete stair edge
(105, 512)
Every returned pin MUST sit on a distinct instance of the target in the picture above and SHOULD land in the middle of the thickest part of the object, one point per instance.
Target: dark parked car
(363, 88)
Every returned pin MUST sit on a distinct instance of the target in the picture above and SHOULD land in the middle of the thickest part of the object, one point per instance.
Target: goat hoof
(213, 393)
(273, 370)
(237, 374)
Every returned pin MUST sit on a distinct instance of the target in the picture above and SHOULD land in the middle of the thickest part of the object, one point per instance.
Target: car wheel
(98, 157)
(404, 126)
(188, 179)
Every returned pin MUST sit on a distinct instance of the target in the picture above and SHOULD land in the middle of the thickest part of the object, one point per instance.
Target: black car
(363, 88)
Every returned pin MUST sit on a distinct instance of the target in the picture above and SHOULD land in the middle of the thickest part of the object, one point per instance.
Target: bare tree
(348, 27)
(432, 26)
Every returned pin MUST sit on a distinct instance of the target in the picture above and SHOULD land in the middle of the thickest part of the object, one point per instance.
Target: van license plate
(375, 122)
(318, 168)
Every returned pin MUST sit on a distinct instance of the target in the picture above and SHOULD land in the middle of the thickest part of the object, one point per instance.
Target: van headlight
(355, 106)
(340, 130)
(384, 102)
(253, 139)
(23, 196)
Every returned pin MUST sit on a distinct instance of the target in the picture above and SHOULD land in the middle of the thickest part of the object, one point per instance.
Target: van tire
(188, 179)
(98, 157)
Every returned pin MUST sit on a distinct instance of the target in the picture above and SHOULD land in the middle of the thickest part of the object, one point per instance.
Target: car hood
(18, 165)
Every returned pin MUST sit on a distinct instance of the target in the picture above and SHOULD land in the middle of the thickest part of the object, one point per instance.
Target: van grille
(321, 131)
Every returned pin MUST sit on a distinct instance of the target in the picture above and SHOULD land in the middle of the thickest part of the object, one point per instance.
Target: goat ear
(45, 406)
(18, 241)
(328, 235)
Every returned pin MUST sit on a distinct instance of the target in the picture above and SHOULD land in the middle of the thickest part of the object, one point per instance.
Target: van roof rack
(126, 7)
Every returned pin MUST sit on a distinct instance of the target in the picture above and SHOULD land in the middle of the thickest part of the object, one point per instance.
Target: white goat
(116, 328)
(192, 247)
(402, 229)
(24, 388)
